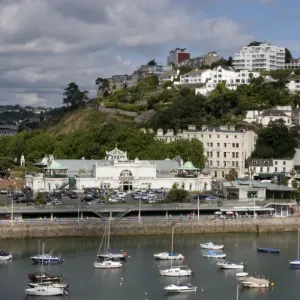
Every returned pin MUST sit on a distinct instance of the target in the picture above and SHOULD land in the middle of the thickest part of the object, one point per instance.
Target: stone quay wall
(23, 230)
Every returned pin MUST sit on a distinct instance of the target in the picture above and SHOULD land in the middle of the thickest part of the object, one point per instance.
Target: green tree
(275, 141)
(177, 195)
(288, 56)
(152, 63)
(73, 96)
(254, 43)
(6, 163)
(103, 85)
(232, 175)
(295, 184)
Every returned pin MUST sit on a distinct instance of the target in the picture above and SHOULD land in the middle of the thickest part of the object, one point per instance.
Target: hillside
(86, 118)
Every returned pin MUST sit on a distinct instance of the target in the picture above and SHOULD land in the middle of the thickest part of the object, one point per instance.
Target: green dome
(189, 166)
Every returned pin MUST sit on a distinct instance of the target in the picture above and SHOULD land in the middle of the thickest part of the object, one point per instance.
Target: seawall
(87, 228)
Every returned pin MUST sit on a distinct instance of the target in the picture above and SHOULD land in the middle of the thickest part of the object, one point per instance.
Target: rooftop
(258, 184)
(273, 112)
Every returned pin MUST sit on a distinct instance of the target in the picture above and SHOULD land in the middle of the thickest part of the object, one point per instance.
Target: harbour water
(141, 275)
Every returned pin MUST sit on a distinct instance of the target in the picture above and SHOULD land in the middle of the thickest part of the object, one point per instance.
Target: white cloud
(45, 44)
(31, 99)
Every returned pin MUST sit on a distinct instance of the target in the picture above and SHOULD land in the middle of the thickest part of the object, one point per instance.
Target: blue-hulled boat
(268, 250)
(295, 263)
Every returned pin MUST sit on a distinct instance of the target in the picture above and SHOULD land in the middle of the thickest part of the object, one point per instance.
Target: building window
(261, 169)
(236, 163)
(224, 145)
(284, 162)
(211, 154)
(207, 144)
(275, 169)
(218, 136)
(210, 162)
(223, 174)
(233, 145)
(284, 169)
(224, 162)
(252, 194)
(210, 136)
(211, 144)
(218, 144)
(224, 154)
(236, 155)
(218, 163)
(235, 136)
(207, 153)
(254, 162)
(233, 154)
(268, 169)
(276, 162)
(232, 163)
(226, 136)
(266, 162)
(218, 154)
(237, 145)
(216, 174)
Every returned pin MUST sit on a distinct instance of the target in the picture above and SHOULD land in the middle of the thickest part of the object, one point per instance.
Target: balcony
(57, 176)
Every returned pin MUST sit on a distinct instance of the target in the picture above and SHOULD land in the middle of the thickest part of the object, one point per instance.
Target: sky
(45, 44)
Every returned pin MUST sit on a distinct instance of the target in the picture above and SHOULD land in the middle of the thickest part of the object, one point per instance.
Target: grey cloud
(44, 45)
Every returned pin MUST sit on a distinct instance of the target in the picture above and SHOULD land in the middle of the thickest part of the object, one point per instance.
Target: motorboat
(179, 271)
(108, 264)
(229, 265)
(47, 290)
(168, 256)
(213, 254)
(5, 256)
(254, 282)
(47, 259)
(180, 288)
(44, 277)
(268, 250)
(295, 263)
(242, 274)
(211, 246)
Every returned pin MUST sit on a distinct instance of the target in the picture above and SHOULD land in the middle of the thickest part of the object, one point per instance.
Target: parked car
(211, 198)
(73, 195)
(3, 191)
(55, 202)
(87, 198)
(201, 196)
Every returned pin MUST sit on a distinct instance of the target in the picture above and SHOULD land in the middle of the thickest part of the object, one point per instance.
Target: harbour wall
(22, 230)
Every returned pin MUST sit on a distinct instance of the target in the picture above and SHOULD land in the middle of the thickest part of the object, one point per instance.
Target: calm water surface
(141, 273)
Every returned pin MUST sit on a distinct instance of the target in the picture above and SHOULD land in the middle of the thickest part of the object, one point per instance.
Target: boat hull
(212, 247)
(294, 264)
(37, 260)
(176, 273)
(254, 285)
(45, 291)
(112, 256)
(268, 250)
(6, 258)
(241, 274)
(218, 256)
(56, 285)
(176, 290)
(114, 265)
(233, 267)
(168, 257)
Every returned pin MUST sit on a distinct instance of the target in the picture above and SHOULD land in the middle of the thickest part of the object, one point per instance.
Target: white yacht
(211, 246)
(229, 265)
(108, 264)
(180, 288)
(47, 290)
(253, 282)
(213, 254)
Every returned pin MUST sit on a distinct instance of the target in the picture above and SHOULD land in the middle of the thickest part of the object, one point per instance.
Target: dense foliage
(275, 141)
(92, 143)
(177, 195)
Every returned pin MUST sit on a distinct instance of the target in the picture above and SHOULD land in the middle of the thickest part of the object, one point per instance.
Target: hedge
(130, 107)
(111, 104)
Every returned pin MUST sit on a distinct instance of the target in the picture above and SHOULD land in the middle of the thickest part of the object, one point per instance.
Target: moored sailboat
(296, 263)
(5, 256)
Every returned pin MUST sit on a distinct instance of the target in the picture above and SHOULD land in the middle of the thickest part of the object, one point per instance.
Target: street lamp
(254, 212)
(237, 290)
(12, 210)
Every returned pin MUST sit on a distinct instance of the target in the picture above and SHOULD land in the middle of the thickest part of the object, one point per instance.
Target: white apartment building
(294, 84)
(263, 57)
(293, 64)
(210, 78)
(267, 168)
(225, 147)
(264, 117)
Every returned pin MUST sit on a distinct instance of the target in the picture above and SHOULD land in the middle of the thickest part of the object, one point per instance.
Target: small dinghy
(295, 263)
(213, 254)
(229, 265)
(242, 274)
(5, 256)
(180, 288)
(268, 250)
(211, 246)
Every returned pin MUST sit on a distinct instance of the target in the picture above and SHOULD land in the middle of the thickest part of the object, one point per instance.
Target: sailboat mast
(103, 238)
(108, 236)
(42, 269)
(172, 245)
(298, 242)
